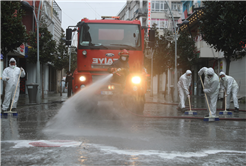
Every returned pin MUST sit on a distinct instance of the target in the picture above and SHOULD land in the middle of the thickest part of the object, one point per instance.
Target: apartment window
(161, 23)
(131, 14)
(176, 6)
(159, 6)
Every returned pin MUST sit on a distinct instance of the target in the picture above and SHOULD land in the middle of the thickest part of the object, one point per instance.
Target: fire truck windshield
(110, 36)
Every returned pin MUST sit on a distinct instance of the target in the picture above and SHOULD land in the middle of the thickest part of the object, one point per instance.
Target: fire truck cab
(99, 45)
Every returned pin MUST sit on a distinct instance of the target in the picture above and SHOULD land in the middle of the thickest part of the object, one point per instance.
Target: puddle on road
(163, 154)
(44, 143)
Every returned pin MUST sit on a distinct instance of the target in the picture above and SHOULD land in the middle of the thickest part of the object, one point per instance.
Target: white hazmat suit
(211, 88)
(183, 88)
(10, 76)
(231, 86)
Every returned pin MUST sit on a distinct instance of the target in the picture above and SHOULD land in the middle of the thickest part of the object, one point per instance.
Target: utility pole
(151, 44)
(151, 83)
(26, 4)
(175, 68)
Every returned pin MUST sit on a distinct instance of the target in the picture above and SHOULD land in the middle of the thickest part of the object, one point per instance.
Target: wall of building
(53, 21)
(163, 19)
(238, 72)
(57, 29)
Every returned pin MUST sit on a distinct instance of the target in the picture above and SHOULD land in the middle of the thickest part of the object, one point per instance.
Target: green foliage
(61, 59)
(223, 27)
(186, 50)
(164, 55)
(13, 33)
(47, 46)
(73, 62)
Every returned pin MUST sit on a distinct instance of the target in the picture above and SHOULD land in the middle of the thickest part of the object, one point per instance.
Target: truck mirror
(151, 38)
(68, 36)
(152, 35)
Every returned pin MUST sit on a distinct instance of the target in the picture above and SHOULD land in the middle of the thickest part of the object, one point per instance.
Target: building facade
(151, 12)
(51, 13)
(192, 11)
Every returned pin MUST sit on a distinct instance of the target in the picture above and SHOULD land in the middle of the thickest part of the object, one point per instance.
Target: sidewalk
(196, 101)
(51, 97)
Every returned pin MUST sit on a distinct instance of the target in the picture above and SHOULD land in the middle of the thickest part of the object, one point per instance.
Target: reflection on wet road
(106, 137)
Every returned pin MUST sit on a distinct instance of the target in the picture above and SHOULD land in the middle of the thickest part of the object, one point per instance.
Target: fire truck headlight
(82, 78)
(136, 80)
(84, 53)
(82, 86)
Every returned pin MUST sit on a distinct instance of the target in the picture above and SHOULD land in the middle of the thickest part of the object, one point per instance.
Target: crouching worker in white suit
(11, 76)
(231, 86)
(211, 88)
(183, 89)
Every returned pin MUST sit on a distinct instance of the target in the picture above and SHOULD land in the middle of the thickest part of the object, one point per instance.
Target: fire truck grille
(98, 66)
(105, 87)
(95, 78)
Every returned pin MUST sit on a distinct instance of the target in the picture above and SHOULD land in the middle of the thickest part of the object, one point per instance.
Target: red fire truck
(99, 44)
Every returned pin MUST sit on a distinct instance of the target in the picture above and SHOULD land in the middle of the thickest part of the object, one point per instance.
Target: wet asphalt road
(108, 138)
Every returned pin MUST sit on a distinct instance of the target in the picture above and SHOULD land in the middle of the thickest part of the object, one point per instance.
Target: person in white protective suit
(183, 89)
(211, 88)
(10, 76)
(230, 85)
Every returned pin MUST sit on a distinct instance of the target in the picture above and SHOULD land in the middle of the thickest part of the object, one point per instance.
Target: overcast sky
(73, 11)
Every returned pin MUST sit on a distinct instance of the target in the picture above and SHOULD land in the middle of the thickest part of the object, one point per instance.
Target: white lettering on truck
(105, 61)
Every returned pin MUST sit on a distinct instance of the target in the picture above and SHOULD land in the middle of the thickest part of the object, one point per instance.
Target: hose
(183, 117)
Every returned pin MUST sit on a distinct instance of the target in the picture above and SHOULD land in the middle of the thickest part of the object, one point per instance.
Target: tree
(61, 59)
(164, 55)
(186, 50)
(47, 48)
(13, 33)
(223, 27)
(73, 62)
(161, 58)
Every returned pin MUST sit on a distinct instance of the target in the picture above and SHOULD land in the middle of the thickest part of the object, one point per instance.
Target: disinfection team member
(121, 63)
(11, 76)
(211, 87)
(231, 86)
(183, 89)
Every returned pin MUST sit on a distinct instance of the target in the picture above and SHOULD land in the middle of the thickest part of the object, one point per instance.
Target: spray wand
(116, 71)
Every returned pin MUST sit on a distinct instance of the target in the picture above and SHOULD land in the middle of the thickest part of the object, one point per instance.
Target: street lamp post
(152, 57)
(68, 40)
(27, 5)
(175, 68)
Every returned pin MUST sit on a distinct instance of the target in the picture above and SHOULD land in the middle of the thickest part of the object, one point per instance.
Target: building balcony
(141, 12)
